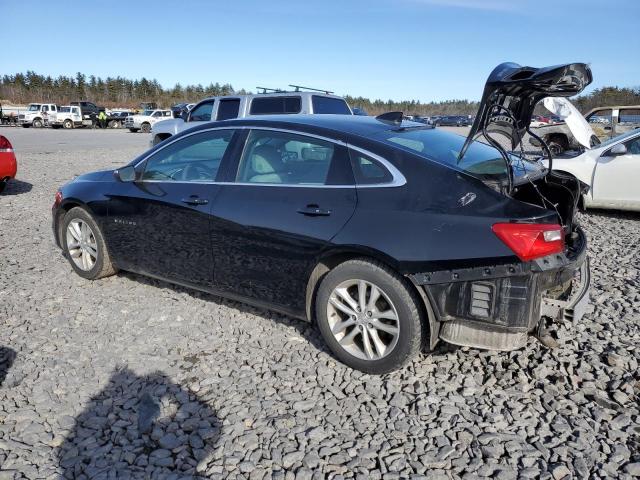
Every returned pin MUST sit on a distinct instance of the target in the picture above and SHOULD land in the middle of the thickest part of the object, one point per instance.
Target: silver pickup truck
(239, 106)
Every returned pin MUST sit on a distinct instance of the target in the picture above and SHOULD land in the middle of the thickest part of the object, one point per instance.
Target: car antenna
(298, 87)
(391, 118)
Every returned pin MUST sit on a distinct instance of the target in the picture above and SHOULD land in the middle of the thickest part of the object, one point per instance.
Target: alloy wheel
(81, 244)
(363, 320)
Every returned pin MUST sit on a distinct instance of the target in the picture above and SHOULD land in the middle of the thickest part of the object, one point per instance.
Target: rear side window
(228, 109)
(329, 105)
(629, 115)
(275, 105)
(368, 171)
(285, 158)
(201, 113)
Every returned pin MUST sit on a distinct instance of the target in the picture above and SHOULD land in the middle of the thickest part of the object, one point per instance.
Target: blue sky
(399, 49)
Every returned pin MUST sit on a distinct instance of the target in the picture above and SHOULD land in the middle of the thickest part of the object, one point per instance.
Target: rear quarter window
(275, 105)
(324, 105)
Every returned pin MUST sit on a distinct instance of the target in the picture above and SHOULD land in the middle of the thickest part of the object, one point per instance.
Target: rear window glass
(368, 171)
(629, 115)
(480, 160)
(275, 105)
(329, 105)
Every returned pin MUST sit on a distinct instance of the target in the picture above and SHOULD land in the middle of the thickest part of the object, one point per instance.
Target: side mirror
(125, 174)
(619, 149)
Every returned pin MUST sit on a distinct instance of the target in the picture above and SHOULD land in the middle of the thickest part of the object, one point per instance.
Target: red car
(8, 164)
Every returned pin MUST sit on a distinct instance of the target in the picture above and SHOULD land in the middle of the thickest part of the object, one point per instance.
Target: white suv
(239, 106)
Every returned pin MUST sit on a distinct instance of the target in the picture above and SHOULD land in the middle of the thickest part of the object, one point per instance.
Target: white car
(611, 169)
(67, 116)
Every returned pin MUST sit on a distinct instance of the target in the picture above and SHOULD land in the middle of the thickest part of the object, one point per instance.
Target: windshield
(34, 107)
(624, 136)
(480, 160)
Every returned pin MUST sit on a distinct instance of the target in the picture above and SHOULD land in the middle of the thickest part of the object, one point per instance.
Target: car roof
(363, 126)
(273, 94)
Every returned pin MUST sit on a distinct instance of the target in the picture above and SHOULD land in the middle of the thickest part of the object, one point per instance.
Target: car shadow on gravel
(305, 329)
(16, 187)
(140, 427)
(7, 357)
(617, 214)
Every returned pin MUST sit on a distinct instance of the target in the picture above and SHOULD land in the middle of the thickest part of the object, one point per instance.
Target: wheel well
(560, 138)
(329, 263)
(62, 211)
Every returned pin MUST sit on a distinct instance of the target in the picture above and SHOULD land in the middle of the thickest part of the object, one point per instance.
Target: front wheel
(146, 128)
(84, 245)
(369, 316)
(37, 123)
(67, 124)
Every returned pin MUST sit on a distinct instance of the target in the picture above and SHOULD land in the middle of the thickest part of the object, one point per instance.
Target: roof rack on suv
(298, 87)
(274, 90)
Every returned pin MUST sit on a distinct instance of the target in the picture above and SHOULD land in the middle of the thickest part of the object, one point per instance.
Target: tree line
(23, 88)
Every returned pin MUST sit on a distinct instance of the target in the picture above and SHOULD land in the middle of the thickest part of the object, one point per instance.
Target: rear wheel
(3, 184)
(84, 245)
(67, 124)
(369, 317)
(146, 127)
(133, 130)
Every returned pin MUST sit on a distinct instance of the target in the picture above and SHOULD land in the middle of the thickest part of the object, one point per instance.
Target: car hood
(100, 175)
(512, 91)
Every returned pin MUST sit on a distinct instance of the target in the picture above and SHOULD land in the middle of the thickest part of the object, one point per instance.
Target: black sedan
(370, 227)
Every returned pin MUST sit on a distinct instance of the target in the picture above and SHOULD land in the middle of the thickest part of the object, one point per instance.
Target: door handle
(314, 211)
(195, 201)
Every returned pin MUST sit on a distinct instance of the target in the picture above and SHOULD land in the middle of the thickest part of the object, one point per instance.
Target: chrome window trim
(398, 179)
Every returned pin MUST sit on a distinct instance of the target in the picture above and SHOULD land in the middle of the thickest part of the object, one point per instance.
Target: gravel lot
(128, 377)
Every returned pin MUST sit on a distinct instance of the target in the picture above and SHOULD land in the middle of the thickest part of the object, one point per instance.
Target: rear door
(616, 178)
(228, 108)
(160, 224)
(288, 197)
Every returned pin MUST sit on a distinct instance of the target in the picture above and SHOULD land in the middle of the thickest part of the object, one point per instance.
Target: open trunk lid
(512, 92)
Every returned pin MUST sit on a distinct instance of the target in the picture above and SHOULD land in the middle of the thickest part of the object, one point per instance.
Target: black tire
(37, 123)
(412, 330)
(103, 267)
(115, 124)
(133, 130)
(67, 124)
(145, 127)
(24, 125)
(3, 185)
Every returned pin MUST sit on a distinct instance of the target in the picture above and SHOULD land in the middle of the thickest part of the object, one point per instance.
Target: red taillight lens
(531, 240)
(58, 198)
(5, 144)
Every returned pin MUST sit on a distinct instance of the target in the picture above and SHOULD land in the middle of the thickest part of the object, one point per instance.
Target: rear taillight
(58, 198)
(531, 240)
(5, 144)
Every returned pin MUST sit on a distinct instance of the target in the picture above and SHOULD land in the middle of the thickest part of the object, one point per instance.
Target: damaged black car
(389, 235)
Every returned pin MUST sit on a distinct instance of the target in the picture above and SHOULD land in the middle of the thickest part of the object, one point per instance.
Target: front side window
(157, 114)
(285, 158)
(633, 146)
(195, 158)
(600, 116)
(228, 109)
(329, 105)
(275, 105)
(201, 113)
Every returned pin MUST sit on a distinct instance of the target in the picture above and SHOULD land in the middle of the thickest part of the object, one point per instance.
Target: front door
(615, 183)
(290, 195)
(160, 224)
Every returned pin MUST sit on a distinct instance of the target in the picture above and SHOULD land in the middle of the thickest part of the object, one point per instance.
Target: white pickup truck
(67, 116)
(146, 119)
(37, 115)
